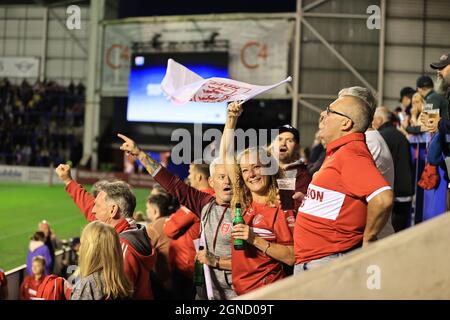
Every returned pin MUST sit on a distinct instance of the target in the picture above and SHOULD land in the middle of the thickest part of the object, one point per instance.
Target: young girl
(101, 265)
(267, 229)
(30, 285)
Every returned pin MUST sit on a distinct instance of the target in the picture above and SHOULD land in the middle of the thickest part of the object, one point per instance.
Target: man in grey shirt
(214, 212)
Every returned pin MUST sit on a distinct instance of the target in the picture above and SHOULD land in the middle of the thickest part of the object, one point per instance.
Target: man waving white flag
(182, 85)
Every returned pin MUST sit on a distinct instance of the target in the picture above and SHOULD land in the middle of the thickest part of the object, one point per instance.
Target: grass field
(23, 206)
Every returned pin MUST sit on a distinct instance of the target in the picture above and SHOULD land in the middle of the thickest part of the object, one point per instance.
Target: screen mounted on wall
(147, 103)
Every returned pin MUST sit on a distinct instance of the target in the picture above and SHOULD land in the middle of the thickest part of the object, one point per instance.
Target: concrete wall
(413, 264)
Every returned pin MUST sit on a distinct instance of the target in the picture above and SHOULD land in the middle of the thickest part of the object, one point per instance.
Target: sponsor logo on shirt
(257, 219)
(225, 229)
(321, 202)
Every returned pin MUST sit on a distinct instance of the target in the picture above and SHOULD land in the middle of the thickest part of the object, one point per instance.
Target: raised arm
(130, 147)
(227, 142)
(190, 197)
(83, 199)
(378, 210)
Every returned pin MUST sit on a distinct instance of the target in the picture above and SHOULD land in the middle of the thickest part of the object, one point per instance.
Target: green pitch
(22, 206)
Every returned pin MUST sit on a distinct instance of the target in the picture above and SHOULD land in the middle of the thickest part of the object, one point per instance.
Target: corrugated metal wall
(22, 34)
(417, 33)
(320, 71)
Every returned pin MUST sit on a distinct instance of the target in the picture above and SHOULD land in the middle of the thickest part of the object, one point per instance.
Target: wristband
(268, 246)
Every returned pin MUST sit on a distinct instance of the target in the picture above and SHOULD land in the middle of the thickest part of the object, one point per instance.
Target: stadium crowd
(41, 123)
(232, 217)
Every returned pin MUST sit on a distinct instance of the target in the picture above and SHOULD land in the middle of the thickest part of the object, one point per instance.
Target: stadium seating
(41, 124)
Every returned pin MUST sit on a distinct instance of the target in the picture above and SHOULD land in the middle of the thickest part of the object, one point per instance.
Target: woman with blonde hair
(268, 229)
(102, 275)
(418, 104)
(414, 128)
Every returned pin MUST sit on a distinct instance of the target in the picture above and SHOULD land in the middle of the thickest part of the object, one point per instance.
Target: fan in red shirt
(114, 205)
(30, 285)
(267, 229)
(157, 211)
(183, 227)
(348, 201)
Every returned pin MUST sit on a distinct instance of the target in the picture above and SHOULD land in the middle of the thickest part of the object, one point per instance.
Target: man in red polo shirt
(348, 201)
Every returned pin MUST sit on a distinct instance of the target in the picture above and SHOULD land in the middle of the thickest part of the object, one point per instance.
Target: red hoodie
(138, 254)
(183, 227)
(52, 288)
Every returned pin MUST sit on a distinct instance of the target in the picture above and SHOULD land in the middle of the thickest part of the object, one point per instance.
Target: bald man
(401, 155)
(348, 201)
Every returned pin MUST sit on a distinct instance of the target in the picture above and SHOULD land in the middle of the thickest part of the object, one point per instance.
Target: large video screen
(147, 103)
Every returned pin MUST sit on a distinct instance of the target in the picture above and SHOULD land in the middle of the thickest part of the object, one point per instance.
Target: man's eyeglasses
(329, 110)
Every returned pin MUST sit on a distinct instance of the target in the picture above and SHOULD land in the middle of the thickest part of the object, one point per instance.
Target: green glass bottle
(239, 244)
(199, 277)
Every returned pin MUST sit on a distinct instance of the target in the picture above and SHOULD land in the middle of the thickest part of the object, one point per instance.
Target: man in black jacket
(401, 154)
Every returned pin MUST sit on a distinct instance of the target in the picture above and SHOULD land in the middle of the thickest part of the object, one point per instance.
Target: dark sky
(140, 8)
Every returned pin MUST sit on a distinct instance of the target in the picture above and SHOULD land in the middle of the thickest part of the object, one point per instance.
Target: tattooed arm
(131, 147)
(186, 195)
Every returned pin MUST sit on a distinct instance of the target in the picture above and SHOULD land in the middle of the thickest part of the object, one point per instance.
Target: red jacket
(138, 254)
(183, 227)
(29, 287)
(52, 288)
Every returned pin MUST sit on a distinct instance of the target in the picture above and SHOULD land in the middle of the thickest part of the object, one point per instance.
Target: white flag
(182, 85)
